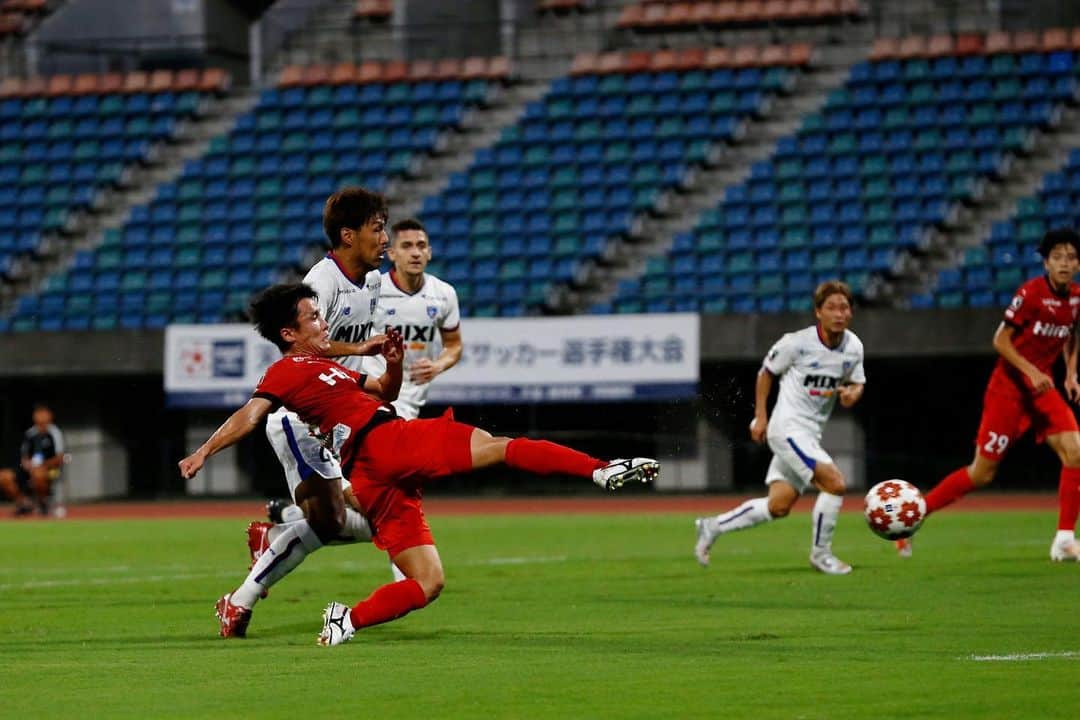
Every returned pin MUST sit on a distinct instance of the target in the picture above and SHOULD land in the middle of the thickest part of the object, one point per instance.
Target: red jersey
(323, 394)
(1042, 320)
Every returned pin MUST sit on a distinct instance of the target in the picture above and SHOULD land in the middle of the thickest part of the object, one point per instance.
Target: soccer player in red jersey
(1039, 325)
(387, 459)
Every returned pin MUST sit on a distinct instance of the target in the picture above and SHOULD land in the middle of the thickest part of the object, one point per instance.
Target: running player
(418, 304)
(1039, 325)
(817, 366)
(388, 459)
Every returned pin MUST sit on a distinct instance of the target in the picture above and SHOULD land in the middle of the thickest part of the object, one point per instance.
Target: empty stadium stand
(913, 133)
(67, 139)
(653, 15)
(251, 208)
(601, 147)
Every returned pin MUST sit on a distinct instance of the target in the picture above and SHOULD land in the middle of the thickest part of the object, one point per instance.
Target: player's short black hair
(276, 307)
(407, 224)
(1059, 236)
(351, 207)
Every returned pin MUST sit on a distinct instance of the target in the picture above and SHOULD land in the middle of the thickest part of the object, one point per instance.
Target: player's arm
(25, 460)
(1040, 381)
(239, 425)
(1072, 385)
(850, 393)
(425, 370)
(762, 387)
(57, 460)
(371, 346)
(388, 385)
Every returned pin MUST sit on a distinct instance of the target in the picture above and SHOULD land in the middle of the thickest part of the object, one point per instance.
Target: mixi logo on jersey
(1051, 330)
(821, 385)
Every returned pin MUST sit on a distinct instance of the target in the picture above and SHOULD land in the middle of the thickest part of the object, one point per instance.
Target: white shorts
(405, 409)
(299, 452)
(795, 457)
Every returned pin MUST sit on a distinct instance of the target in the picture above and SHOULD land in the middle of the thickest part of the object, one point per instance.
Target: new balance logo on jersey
(1051, 330)
(353, 333)
(417, 333)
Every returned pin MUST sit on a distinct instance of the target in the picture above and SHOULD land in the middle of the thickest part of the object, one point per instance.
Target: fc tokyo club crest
(432, 311)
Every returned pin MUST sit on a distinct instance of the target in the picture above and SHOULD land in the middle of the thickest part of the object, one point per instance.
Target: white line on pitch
(155, 578)
(1021, 657)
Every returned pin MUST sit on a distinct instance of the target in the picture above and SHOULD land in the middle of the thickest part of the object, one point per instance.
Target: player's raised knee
(778, 510)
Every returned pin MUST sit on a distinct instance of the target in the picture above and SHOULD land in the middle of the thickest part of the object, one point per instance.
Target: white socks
(293, 543)
(750, 513)
(826, 511)
(356, 529)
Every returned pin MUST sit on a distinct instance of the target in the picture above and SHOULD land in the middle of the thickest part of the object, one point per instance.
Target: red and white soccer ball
(894, 509)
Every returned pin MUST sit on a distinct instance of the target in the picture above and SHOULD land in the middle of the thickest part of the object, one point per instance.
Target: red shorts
(392, 465)
(1007, 416)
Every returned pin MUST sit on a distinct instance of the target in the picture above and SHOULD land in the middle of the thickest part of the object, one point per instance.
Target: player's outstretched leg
(750, 513)
(619, 472)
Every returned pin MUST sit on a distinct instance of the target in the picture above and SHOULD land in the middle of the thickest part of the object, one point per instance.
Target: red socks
(545, 458)
(1068, 498)
(955, 486)
(387, 603)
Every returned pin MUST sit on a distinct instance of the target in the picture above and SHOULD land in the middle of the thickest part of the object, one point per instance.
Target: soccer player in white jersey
(347, 282)
(424, 309)
(817, 367)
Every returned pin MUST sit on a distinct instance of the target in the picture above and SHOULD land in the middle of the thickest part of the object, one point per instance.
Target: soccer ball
(894, 509)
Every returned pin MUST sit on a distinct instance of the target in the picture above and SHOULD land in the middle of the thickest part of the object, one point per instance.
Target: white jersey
(421, 317)
(810, 373)
(348, 307)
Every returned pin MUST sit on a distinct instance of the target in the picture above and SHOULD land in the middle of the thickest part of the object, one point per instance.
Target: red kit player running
(386, 459)
(1039, 325)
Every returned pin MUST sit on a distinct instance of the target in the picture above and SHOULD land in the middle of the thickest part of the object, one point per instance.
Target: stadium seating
(373, 11)
(653, 15)
(558, 7)
(251, 207)
(891, 154)
(989, 273)
(19, 16)
(65, 139)
(602, 146)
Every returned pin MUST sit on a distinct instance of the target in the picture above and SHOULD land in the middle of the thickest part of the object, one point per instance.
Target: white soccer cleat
(337, 625)
(619, 472)
(705, 539)
(903, 547)
(828, 563)
(1065, 550)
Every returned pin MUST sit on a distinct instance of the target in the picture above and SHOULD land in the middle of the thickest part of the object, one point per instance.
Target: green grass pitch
(581, 616)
